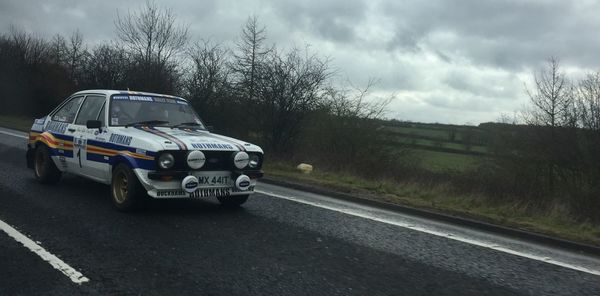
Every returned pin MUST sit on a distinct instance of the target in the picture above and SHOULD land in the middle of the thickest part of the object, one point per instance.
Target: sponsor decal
(207, 192)
(120, 97)
(212, 146)
(167, 193)
(141, 98)
(140, 151)
(190, 185)
(202, 192)
(239, 147)
(57, 127)
(242, 182)
(182, 102)
(120, 139)
(250, 189)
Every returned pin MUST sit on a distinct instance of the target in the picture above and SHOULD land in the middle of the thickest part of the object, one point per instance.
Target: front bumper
(163, 185)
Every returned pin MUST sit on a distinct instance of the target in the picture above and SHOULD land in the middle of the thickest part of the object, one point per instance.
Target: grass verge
(15, 122)
(441, 198)
(437, 197)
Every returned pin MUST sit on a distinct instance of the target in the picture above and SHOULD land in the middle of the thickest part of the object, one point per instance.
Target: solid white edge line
(404, 225)
(493, 246)
(13, 134)
(58, 264)
(54, 261)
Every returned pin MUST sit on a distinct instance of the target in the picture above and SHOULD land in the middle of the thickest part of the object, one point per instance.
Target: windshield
(132, 109)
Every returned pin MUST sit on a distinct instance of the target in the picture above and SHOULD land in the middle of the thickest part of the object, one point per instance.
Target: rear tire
(126, 192)
(44, 168)
(232, 201)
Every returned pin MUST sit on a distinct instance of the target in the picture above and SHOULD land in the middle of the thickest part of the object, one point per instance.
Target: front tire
(44, 168)
(125, 189)
(232, 201)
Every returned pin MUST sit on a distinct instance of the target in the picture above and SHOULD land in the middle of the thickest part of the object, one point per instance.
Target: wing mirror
(94, 124)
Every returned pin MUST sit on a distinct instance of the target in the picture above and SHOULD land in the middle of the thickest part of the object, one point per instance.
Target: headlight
(196, 159)
(254, 161)
(166, 161)
(241, 159)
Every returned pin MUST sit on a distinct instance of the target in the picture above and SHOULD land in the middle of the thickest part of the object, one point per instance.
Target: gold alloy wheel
(119, 187)
(39, 163)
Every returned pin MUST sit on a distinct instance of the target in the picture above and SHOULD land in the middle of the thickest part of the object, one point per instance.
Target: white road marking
(13, 134)
(366, 215)
(58, 264)
(493, 246)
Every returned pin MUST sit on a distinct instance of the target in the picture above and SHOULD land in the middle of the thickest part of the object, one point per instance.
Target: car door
(88, 165)
(62, 131)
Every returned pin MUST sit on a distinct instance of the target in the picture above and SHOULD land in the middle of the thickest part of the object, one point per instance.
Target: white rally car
(142, 144)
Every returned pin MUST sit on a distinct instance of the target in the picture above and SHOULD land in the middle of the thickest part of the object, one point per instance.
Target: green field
(444, 162)
(437, 147)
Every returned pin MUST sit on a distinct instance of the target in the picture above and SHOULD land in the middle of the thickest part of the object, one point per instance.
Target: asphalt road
(283, 242)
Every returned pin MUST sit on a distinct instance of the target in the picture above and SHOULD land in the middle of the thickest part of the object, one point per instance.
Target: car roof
(110, 92)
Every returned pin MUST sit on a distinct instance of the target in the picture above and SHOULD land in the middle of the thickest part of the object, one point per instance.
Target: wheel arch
(122, 159)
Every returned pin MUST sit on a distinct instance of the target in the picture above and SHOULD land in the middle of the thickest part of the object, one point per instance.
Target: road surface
(68, 240)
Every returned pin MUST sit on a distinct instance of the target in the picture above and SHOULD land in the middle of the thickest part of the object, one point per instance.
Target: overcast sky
(446, 61)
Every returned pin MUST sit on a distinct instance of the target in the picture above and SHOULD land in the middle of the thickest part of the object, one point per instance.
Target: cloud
(447, 61)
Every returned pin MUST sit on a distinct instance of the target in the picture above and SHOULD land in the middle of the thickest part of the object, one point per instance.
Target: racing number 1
(79, 143)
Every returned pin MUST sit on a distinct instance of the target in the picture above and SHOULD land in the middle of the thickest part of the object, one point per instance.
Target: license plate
(220, 180)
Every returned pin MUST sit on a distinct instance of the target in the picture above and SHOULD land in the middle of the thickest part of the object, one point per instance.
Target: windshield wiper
(186, 124)
(147, 122)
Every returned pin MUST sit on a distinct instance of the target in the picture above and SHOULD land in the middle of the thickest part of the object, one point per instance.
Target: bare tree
(208, 82)
(251, 52)
(106, 67)
(554, 113)
(58, 47)
(74, 56)
(28, 48)
(152, 34)
(588, 101)
(354, 102)
(290, 85)
(552, 98)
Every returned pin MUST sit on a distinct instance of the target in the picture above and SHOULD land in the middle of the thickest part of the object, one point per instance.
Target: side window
(68, 111)
(90, 109)
(102, 114)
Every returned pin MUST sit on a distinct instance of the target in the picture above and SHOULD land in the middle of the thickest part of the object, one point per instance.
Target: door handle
(71, 130)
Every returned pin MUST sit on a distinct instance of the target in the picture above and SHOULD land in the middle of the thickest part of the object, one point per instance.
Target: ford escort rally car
(141, 144)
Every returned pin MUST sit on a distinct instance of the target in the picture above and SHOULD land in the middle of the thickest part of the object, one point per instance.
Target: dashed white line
(456, 237)
(54, 261)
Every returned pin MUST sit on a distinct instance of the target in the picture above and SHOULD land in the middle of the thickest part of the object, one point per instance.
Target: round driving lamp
(196, 159)
(241, 159)
(166, 161)
(254, 161)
